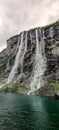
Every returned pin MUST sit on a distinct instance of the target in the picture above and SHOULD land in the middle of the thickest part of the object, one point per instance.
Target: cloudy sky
(19, 15)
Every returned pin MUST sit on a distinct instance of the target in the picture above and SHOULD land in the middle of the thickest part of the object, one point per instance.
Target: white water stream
(40, 63)
(17, 60)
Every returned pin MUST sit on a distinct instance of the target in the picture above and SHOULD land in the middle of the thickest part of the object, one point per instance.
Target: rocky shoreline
(48, 90)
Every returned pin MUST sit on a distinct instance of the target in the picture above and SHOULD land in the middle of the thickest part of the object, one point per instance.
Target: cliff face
(51, 50)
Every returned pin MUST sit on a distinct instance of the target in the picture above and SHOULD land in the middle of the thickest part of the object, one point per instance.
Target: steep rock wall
(51, 39)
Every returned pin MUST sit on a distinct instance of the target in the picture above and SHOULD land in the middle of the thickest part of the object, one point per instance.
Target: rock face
(52, 54)
(51, 41)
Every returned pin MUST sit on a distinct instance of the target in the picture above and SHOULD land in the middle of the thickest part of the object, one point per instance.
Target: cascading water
(25, 49)
(51, 32)
(22, 58)
(40, 63)
(17, 60)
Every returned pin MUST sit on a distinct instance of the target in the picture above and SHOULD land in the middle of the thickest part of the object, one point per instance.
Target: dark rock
(56, 95)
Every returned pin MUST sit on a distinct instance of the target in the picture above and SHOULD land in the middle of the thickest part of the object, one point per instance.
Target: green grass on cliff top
(55, 24)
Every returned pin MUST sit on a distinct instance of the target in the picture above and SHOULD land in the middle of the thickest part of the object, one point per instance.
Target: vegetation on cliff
(55, 24)
(1, 75)
(48, 90)
(15, 87)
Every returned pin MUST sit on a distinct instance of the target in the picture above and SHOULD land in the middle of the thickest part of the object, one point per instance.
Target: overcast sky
(19, 15)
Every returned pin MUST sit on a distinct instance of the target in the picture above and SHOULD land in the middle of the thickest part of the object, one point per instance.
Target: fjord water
(22, 112)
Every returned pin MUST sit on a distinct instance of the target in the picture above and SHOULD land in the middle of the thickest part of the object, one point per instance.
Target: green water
(19, 112)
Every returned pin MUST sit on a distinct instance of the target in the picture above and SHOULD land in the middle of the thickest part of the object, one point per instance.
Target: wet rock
(56, 95)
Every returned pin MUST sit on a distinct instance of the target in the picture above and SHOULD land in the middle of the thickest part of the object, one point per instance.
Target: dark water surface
(19, 112)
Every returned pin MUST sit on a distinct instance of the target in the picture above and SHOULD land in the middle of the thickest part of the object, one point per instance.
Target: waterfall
(17, 60)
(51, 32)
(25, 49)
(22, 58)
(40, 63)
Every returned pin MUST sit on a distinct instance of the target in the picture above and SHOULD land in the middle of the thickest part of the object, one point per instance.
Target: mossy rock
(48, 89)
(55, 86)
(4, 89)
(1, 75)
(16, 87)
(1, 72)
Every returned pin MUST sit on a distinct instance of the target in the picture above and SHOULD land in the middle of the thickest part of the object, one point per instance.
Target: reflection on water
(19, 112)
